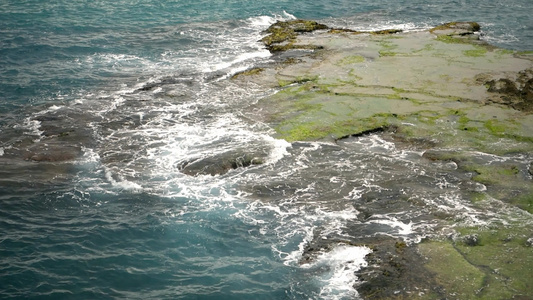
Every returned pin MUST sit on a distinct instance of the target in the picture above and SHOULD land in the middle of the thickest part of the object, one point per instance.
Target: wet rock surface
(453, 97)
(281, 35)
(457, 29)
(516, 93)
(393, 272)
(353, 82)
(222, 163)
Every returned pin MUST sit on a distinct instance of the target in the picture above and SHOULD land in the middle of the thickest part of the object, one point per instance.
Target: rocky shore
(443, 92)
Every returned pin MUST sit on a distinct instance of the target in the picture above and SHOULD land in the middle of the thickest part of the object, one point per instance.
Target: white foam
(506, 38)
(292, 258)
(32, 127)
(341, 264)
(355, 193)
(393, 222)
(279, 149)
(262, 21)
(112, 59)
(265, 21)
(122, 183)
(287, 16)
(348, 213)
(89, 155)
(356, 24)
(50, 109)
(250, 56)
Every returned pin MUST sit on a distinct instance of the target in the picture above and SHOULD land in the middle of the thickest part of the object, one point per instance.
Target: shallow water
(101, 104)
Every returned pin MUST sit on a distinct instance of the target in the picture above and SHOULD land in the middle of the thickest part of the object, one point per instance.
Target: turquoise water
(100, 104)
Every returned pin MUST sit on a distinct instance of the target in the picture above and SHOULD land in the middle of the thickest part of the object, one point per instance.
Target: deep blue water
(119, 220)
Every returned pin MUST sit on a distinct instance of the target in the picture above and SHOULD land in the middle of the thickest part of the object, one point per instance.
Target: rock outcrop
(222, 163)
(444, 92)
(281, 35)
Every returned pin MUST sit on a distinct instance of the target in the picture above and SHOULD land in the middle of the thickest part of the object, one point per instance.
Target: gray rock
(456, 29)
(222, 163)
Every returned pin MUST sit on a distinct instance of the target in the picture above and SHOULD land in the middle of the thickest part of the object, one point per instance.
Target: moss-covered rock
(249, 72)
(452, 271)
(515, 93)
(456, 28)
(502, 253)
(377, 32)
(449, 96)
(482, 263)
(281, 35)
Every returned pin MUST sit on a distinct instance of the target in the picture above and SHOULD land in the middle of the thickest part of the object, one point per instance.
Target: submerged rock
(52, 153)
(164, 82)
(56, 136)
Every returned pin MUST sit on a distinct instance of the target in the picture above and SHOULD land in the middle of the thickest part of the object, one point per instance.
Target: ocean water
(102, 103)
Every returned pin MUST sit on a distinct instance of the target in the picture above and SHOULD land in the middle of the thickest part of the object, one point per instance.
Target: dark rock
(527, 96)
(222, 163)
(530, 169)
(394, 268)
(53, 130)
(249, 72)
(45, 118)
(52, 152)
(351, 31)
(513, 93)
(456, 29)
(365, 132)
(387, 31)
(394, 271)
(61, 139)
(344, 30)
(165, 81)
(502, 86)
(283, 33)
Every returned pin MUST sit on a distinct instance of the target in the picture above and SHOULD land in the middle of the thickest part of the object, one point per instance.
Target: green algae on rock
(452, 271)
(282, 34)
(447, 94)
(249, 72)
(363, 77)
(483, 263)
(456, 28)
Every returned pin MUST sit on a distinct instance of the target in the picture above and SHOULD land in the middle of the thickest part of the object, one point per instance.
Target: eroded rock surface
(222, 163)
(446, 93)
